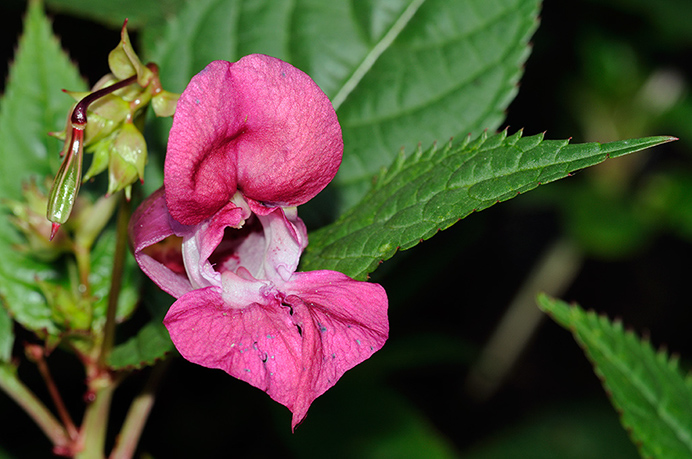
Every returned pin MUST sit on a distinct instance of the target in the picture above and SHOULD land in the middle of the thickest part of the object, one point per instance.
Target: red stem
(38, 355)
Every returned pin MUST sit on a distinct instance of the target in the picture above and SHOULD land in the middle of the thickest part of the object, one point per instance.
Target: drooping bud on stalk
(67, 180)
(114, 133)
(66, 184)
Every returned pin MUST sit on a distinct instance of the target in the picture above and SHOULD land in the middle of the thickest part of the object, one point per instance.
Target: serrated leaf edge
(661, 355)
(482, 143)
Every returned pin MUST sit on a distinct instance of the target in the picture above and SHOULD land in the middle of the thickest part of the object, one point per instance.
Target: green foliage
(604, 225)
(645, 386)
(667, 198)
(100, 281)
(385, 65)
(32, 106)
(150, 344)
(431, 190)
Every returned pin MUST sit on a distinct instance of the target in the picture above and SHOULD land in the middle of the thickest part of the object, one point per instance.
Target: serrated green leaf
(399, 71)
(32, 106)
(431, 190)
(645, 386)
(150, 344)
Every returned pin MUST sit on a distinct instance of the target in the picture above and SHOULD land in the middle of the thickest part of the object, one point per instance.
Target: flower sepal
(124, 62)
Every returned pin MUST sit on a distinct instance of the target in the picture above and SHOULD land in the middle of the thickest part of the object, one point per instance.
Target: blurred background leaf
(138, 13)
(571, 430)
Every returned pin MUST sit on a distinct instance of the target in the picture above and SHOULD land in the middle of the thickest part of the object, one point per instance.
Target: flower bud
(164, 103)
(128, 156)
(116, 106)
(66, 184)
(105, 115)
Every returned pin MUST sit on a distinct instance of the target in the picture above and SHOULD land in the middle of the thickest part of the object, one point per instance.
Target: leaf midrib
(371, 57)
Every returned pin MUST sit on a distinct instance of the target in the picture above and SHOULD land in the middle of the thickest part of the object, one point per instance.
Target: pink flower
(260, 126)
(249, 142)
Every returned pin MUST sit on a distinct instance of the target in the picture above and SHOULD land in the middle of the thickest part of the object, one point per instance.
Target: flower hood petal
(258, 125)
(200, 169)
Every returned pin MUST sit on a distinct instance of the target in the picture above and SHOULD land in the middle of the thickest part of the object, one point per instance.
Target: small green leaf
(645, 386)
(150, 344)
(433, 189)
(32, 106)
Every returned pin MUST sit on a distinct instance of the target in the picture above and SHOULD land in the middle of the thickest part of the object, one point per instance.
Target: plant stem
(101, 384)
(95, 422)
(137, 414)
(17, 391)
(83, 257)
(55, 395)
(116, 279)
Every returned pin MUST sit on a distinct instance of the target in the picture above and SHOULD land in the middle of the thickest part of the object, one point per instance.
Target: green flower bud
(105, 115)
(116, 107)
(127, 159)
(164, 103)
(66, 184)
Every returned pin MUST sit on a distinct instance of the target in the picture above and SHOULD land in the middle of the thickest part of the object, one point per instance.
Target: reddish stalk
(37, 354)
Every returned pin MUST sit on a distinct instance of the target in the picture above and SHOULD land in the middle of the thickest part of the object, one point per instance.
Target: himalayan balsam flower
(250, 141)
